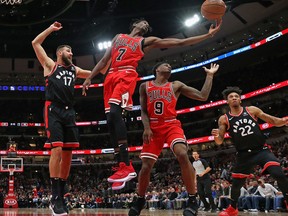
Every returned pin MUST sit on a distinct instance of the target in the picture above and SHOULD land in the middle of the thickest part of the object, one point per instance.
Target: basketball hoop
(11, 170)
(10, 2)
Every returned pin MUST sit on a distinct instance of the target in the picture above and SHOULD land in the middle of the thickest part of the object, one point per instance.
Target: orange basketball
(213, 9)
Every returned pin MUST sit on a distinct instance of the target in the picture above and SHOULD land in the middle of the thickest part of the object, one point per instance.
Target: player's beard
(66, 60)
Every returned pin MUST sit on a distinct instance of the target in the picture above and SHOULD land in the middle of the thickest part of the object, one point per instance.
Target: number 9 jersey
(161, 101)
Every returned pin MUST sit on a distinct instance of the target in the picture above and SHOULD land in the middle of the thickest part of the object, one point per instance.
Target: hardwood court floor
(115, 212)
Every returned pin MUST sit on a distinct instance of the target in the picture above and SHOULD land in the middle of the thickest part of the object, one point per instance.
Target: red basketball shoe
(123, 173)
(118, 185)
(230, 211)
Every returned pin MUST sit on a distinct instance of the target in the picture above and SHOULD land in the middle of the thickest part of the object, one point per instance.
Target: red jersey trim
(56, 65)
(53, 70)
(47, 104)
(256, 119)
(237, 114)
(129, 67)
(148, 155)
(241, 175)
(268, 164)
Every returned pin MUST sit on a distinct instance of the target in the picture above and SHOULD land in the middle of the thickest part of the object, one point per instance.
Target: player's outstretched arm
(278, 122)
(155, 42)
(83, 74)
(46, 62)
(219, 133)
(100, 66)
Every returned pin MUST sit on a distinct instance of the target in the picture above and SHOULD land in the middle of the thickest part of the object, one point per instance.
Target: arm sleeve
(205, 164)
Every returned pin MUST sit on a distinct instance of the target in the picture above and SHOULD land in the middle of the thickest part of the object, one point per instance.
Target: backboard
(11, 164)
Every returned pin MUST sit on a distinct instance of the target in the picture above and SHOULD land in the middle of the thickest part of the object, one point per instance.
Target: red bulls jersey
(126, 51)
(161, 101)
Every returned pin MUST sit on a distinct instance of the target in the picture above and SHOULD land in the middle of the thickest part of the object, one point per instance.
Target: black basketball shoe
(192, 207)
(137, 206)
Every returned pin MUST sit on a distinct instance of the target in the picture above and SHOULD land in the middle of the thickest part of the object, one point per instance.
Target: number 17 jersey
(161, 101)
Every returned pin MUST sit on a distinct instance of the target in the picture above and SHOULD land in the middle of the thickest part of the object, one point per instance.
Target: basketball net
(10, 2)
(11, 171)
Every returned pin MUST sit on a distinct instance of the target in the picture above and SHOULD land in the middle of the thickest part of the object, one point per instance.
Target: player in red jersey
(158, 100)
(122, 58)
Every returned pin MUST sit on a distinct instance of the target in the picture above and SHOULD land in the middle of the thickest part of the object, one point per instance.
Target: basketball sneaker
(65, 207)
(230, 211)
(192, 207)
(123, 173)
(137, 207)
(118, 185)
(56, 206)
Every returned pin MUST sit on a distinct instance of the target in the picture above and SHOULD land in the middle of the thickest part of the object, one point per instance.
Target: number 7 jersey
(161, 101)
(126, 51)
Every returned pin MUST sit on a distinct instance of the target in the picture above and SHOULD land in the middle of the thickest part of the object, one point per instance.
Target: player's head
(64, 52)
(162, 67)
(141, 24)
(231, 89)
(232, 95)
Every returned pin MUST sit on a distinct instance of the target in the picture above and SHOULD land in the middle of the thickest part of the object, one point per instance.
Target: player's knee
(113, 115)
(115, 112)
(147, 166)
(56, 151)
(182, 156)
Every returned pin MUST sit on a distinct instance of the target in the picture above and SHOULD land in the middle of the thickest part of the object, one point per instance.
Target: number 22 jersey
(245, 131)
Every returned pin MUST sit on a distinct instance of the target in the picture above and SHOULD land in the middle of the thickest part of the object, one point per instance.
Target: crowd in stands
(88, 186)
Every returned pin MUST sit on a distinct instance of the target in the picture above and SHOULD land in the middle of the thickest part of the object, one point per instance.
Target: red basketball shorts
(119, 87)
(168, 133)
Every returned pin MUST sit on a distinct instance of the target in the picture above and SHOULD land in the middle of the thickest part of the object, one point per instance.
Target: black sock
(117, 157)
(233, 204)
(62, 183)
(55, 187)
(124, 156)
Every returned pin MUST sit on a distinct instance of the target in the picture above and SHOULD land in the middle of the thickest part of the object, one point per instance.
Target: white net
(11, 171)
(10, 2)
(11, 168)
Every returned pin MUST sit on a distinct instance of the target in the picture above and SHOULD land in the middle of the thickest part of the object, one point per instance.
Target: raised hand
(214, 29)
(213, 69)
(56, 26)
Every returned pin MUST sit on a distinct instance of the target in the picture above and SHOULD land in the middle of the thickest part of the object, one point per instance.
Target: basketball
(213, 9)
